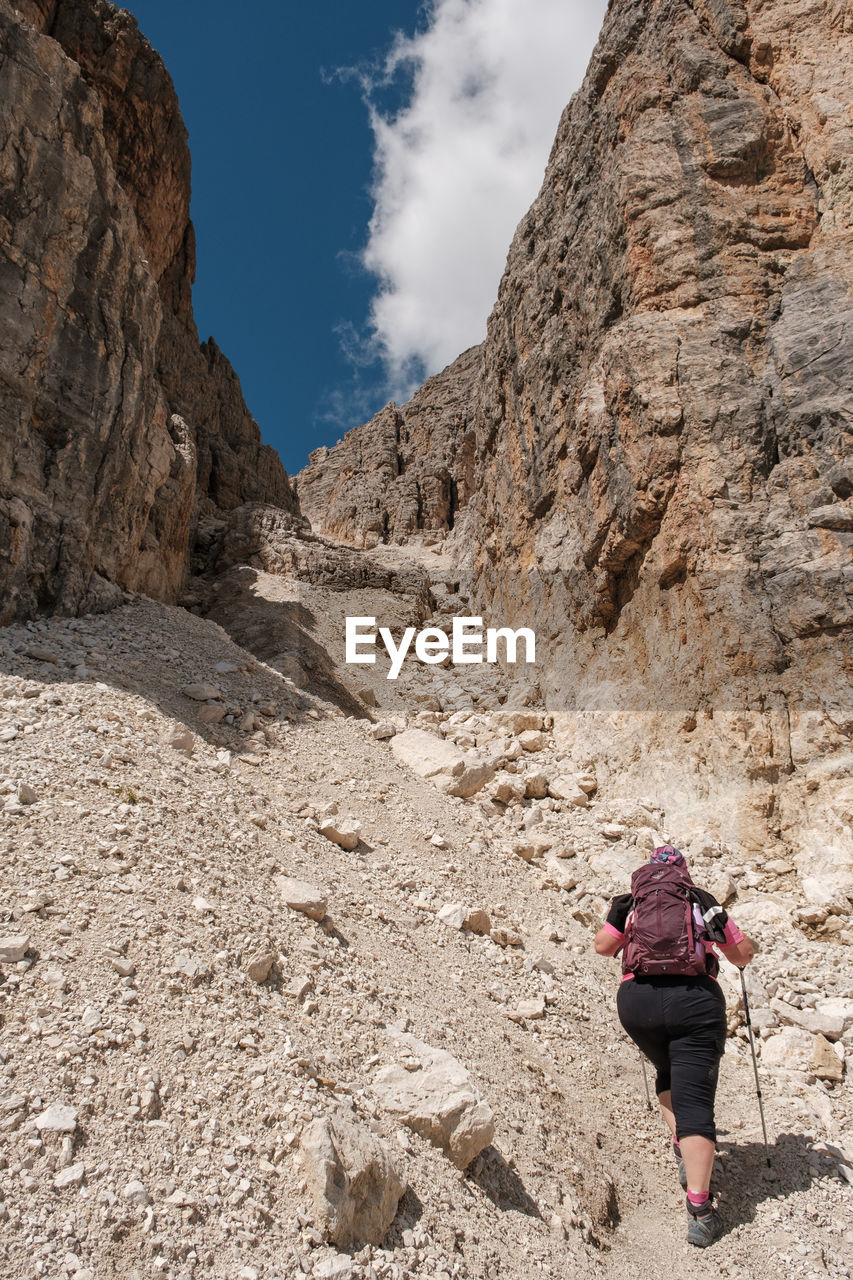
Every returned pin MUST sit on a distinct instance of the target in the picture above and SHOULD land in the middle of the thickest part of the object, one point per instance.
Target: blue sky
(358, 169)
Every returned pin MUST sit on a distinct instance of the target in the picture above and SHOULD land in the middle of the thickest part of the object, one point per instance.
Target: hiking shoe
(682, 1174)
(704, 1224)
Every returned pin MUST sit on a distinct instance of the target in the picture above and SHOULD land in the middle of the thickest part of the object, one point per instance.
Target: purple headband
(667, 853)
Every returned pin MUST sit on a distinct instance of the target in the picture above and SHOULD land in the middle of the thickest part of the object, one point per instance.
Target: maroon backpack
(662, 937)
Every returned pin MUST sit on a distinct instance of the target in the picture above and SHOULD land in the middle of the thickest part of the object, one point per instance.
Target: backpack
(663, 936)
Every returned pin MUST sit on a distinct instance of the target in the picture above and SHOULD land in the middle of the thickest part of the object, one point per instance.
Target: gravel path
(141, 838)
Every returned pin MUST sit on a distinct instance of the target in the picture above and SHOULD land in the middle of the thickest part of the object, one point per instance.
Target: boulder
(352, 1178)
(559, 875)
(71, 1176)
(135, 1193)
(201, 692)
(790, 1048)
(303, 897)
(763, 914)
(259, 964)
(345, 833)
(13, 947)
(613, 831)
(57, 1118)
(567, 788)
(826, 891)
(424, 753)
(180, 740)
(836, 1007)
(190, 967)
(723, 887)
(507, 788)
(816, 1021)
(531, 1009)
(532, 740)
(334, 1266)
(535, 786)
(824, 1061)
(477, 921)
(438, 1100)
(453, 914)
(468, 780)
(211, 713)
(506, 937)
(517, 720)
(523, 849)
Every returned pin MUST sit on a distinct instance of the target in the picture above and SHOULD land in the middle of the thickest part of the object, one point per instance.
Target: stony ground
(153, 1093)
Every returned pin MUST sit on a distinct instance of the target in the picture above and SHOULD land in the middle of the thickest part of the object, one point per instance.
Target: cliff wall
(116, 425)
(661, 418)
(407, 471)
(665, 414)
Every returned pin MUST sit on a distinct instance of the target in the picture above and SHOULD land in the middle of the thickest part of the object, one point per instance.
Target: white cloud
(460, 163)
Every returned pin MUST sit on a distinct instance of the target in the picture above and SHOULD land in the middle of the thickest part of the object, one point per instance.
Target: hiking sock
(697, 1198)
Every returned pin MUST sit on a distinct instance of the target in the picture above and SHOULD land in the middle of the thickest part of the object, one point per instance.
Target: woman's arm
(607, 941)
(740, 953)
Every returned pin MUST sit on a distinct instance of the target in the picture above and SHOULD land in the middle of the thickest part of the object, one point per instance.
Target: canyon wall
(662, 419)
(406, 472)
(665, 412)
(117, 427)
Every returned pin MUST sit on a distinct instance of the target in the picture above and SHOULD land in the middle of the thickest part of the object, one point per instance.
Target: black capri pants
(679, 1023)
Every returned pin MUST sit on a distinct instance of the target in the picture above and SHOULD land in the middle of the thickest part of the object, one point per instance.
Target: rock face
(662, 414)
(664, 431)
(407, 471)
(117, 427)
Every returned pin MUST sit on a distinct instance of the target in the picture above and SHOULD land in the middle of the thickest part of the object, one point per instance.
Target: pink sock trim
(697, 1197)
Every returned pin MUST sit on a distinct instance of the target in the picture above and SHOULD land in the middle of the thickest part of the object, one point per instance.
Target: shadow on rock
(747, 1181)
(409, 1211)
(331, 930)
(277, 632)
(500, 1182)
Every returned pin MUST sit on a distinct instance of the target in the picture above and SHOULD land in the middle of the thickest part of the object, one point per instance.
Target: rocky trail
(296, 967)
(171, 1027)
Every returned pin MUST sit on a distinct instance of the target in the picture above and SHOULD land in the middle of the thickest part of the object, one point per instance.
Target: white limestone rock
(57, 1118)
(566, 787)
(302, 897)
(353, 1179)
(13, 947)
(438, 1100)
(344, 833)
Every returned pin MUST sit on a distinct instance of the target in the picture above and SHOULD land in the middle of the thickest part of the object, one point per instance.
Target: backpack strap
(714, 916)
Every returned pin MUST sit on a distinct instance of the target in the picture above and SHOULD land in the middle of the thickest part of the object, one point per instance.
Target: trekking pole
(646, 1083)
(754, 1066)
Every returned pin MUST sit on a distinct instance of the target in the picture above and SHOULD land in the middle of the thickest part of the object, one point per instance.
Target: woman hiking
(672, 1007)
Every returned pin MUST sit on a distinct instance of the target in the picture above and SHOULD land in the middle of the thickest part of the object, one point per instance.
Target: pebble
(135, 1192)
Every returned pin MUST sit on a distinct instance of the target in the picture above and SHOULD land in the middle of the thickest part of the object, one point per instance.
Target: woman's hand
(606, 943)
(741, 953)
